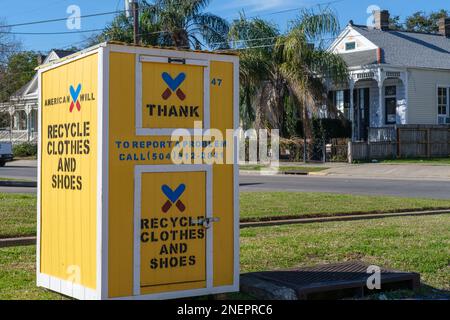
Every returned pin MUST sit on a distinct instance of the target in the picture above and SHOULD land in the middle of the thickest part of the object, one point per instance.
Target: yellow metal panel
(172, 246)
(223, 205)
(172, 95)
(121, 185)
(69, 170)
(126, 150)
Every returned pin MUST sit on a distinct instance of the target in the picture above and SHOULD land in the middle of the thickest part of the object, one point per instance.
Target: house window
(342, 102)
(20, 120)
(339, 100)
(33, 120)
(390, 99)
(350, 46)
(443, 105)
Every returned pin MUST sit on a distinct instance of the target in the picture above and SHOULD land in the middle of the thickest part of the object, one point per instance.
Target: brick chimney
(381, 19)
(444, 27)
(40, 59)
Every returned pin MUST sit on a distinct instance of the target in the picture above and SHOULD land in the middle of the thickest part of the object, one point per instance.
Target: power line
(51, 33)
(60, 19)
(122, 11)
(149, 33)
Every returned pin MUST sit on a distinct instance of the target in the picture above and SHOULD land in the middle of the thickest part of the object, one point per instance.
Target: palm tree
(175, 23)
(287, 67)
(254, 37)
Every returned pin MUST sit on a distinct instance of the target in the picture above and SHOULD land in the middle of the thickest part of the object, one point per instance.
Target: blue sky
(32, 10)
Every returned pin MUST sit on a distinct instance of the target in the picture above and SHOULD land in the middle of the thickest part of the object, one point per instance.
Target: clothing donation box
(138, 176)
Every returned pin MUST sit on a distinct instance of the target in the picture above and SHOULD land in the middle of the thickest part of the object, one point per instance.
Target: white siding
(422, 94)
(351, 35)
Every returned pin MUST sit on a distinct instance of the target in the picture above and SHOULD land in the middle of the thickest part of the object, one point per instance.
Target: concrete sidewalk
(390, 171)
(375, 170)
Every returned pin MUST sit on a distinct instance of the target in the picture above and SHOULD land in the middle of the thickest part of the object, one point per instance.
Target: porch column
(405, 79)
(11, 124)
(28, 113)
(381, 77)
(380, 104)
(352, 108)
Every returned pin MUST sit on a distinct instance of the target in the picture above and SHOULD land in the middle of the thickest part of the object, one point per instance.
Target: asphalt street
(413, 188)
(393, 187)
(17, 190)
(21, 169)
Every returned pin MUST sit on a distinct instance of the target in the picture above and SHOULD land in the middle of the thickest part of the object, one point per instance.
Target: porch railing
(18, 136)
(383, 134)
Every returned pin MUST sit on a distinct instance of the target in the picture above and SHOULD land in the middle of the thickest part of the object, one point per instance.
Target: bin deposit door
(172, 93)
(174, 229)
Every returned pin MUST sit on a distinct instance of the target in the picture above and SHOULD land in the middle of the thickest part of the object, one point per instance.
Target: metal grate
(333, 280)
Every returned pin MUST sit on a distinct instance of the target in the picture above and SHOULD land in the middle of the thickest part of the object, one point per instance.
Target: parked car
(6, 153)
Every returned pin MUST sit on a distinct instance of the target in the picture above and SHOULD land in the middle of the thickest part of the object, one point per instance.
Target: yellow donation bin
(138, 177)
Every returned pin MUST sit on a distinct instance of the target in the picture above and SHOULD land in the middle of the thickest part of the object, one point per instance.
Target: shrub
(327, 129)
(26, 149)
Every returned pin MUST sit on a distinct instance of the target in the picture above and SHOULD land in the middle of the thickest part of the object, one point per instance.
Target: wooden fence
(409, 141)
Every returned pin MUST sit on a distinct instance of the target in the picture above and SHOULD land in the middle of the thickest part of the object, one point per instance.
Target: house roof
(63, 53)
(360, 58)
(408, 49)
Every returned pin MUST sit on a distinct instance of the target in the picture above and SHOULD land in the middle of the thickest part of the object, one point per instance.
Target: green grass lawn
(258, 167)
(431, 161)
(263, 205)
(419, 244)
(17, 275)
(18, 211)
(17, 215)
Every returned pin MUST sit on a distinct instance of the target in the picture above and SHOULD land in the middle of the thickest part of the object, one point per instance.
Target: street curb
(12, 183)
(25, 241)
(340, 218)
(272, 173)
(13, 242)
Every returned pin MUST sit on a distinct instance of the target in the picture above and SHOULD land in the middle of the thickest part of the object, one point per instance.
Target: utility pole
(133, 5)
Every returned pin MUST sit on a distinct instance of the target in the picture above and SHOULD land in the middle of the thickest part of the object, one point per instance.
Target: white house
(22, 107)
(396, 77)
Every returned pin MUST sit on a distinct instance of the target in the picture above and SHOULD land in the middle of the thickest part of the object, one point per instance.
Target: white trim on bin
(173, 53)
(138, 171)
(67, 288)
(181, 294)
(160, 59)
(236, 231)
(99, 232)
(38, 231)
(63, 62)
(105, 178)
(142, 58)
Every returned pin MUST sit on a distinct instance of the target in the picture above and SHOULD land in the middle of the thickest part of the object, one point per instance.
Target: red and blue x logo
(173, 197)
(75, 94)
(173, 85)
